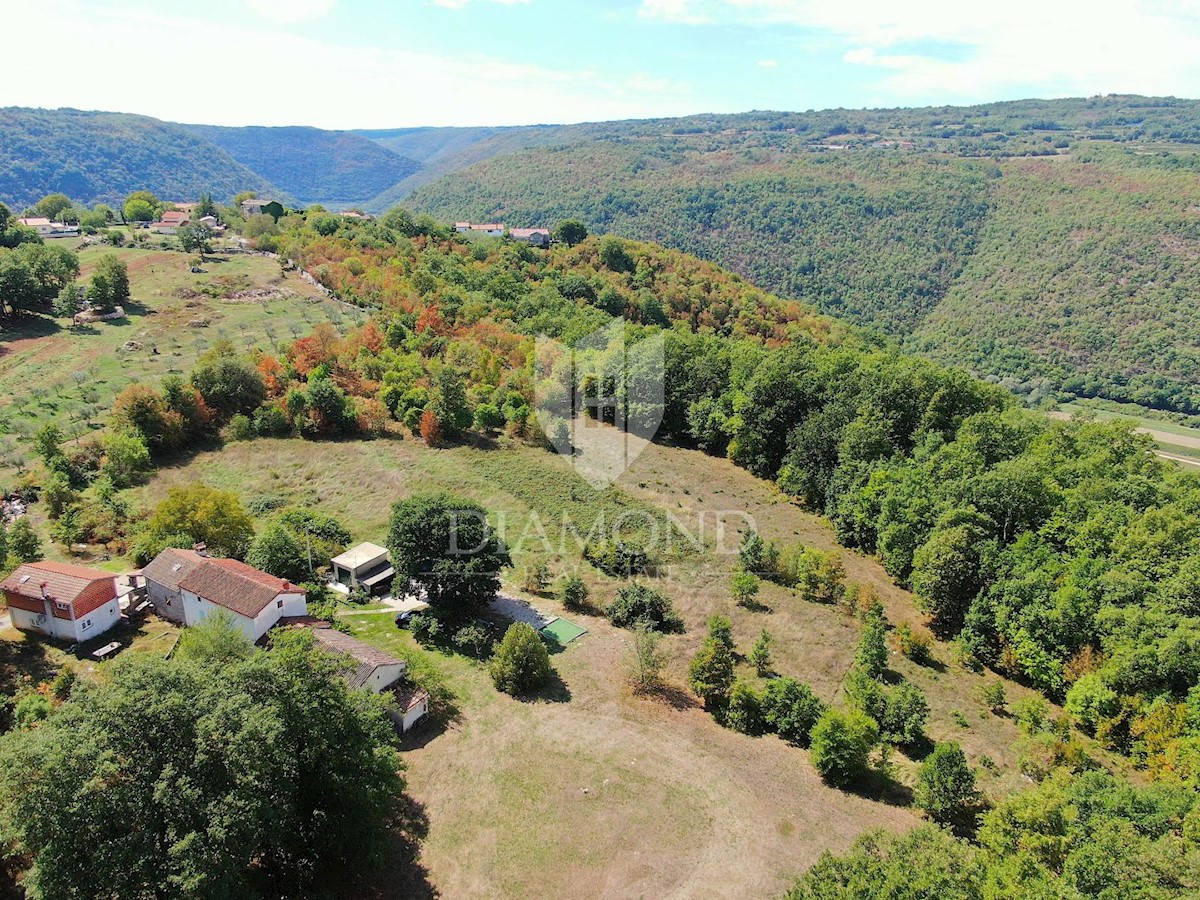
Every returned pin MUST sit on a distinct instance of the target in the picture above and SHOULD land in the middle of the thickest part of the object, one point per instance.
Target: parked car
(404, 618)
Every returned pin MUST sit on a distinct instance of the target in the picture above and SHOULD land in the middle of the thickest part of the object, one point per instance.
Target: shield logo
(600, 402)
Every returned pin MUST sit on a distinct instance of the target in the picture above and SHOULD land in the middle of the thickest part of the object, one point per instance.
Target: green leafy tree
(195, 238)
(872, 653)
(744, 712)
(23, 542)
(744, 587)
(228, 383)
(214, 642)
(711, 674)
(445, 546)
(53, 205)
(791, 709)
(521, 663)
(109, 286)
(841, 743)
(245, 816)
(571, 232)
(141, 206)
(573, 594)
(646, 659)
(945, 787)
(760, 655)
(638, 604)
(207, 515)
(126, 458)
(275, 550)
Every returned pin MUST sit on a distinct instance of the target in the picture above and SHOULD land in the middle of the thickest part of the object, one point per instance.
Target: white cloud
(768, 64)
(952, 48)
(459, 4)
(309, 81)
(284, 11)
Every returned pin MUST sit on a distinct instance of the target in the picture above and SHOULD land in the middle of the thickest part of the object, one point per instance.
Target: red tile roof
(236, 586)
(83, 590)
(172, 566)
(366, 658)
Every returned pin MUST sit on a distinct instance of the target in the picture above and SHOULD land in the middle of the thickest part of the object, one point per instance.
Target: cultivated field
(49, 371)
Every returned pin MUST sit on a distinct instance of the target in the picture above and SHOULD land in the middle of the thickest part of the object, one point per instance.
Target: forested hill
(312, 164)
(102, 157)
(1045, 244)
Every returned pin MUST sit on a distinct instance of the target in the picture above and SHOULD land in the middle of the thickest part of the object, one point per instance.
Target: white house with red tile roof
(172, 221)
(254, 599)
(60, 600)
(371, 668)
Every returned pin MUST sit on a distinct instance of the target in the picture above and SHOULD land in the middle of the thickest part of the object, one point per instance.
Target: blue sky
(392, 63)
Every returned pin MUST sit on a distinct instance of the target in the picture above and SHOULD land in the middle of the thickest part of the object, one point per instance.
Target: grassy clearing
(608, 794)
(1171, 437)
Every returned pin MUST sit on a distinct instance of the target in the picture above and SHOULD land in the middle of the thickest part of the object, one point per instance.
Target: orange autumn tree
(431, 428)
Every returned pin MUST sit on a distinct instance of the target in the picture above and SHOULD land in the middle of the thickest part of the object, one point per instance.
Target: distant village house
(47, 229)
(367, 567)
(256, 205)
(539, 237)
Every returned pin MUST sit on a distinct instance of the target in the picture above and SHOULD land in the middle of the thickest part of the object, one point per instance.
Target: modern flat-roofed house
(193, 587)
(367, 567)
(48, 229)
(538, 237)
(60, 600)
(371, 668)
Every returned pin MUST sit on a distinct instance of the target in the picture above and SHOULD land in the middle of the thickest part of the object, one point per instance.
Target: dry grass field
(592, 791)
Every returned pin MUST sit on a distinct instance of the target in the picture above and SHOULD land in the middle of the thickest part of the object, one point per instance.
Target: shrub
(790, 709)
(744, 712)
(646, 660)
(760, 656)
(1030, 713)
(914, 643)
(474, 639)
(841, 745)
(521, 663)
(994, 696)
(536, 578)
(573, 594)
(945, 787)
(1090, 700)
(905, 713)
(271, 421)
(744, 587)
(240, 428)
(617, 558)
(637, 603)
(30, 709)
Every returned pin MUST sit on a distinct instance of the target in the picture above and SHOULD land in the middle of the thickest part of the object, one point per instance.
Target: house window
(85, 625)
(61, 605)
(279, 603)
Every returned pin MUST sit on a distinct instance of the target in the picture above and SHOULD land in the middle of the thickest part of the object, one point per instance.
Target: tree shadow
(882, 788)
(554, 691)
(918, 749)
(401, 873)
(673, 696)
(756, 606)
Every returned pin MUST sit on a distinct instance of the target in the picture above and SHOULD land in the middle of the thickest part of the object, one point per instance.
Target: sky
(399, 63)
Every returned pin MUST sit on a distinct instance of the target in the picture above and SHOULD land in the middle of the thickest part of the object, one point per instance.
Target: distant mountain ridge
(97, 157)
(313, 164)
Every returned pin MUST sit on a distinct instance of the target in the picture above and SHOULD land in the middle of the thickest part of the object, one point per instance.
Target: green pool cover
(563, 632)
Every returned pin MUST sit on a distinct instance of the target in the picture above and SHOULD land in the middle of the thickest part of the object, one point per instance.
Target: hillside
(312, 164)
(1042, 244)
(102, 157)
